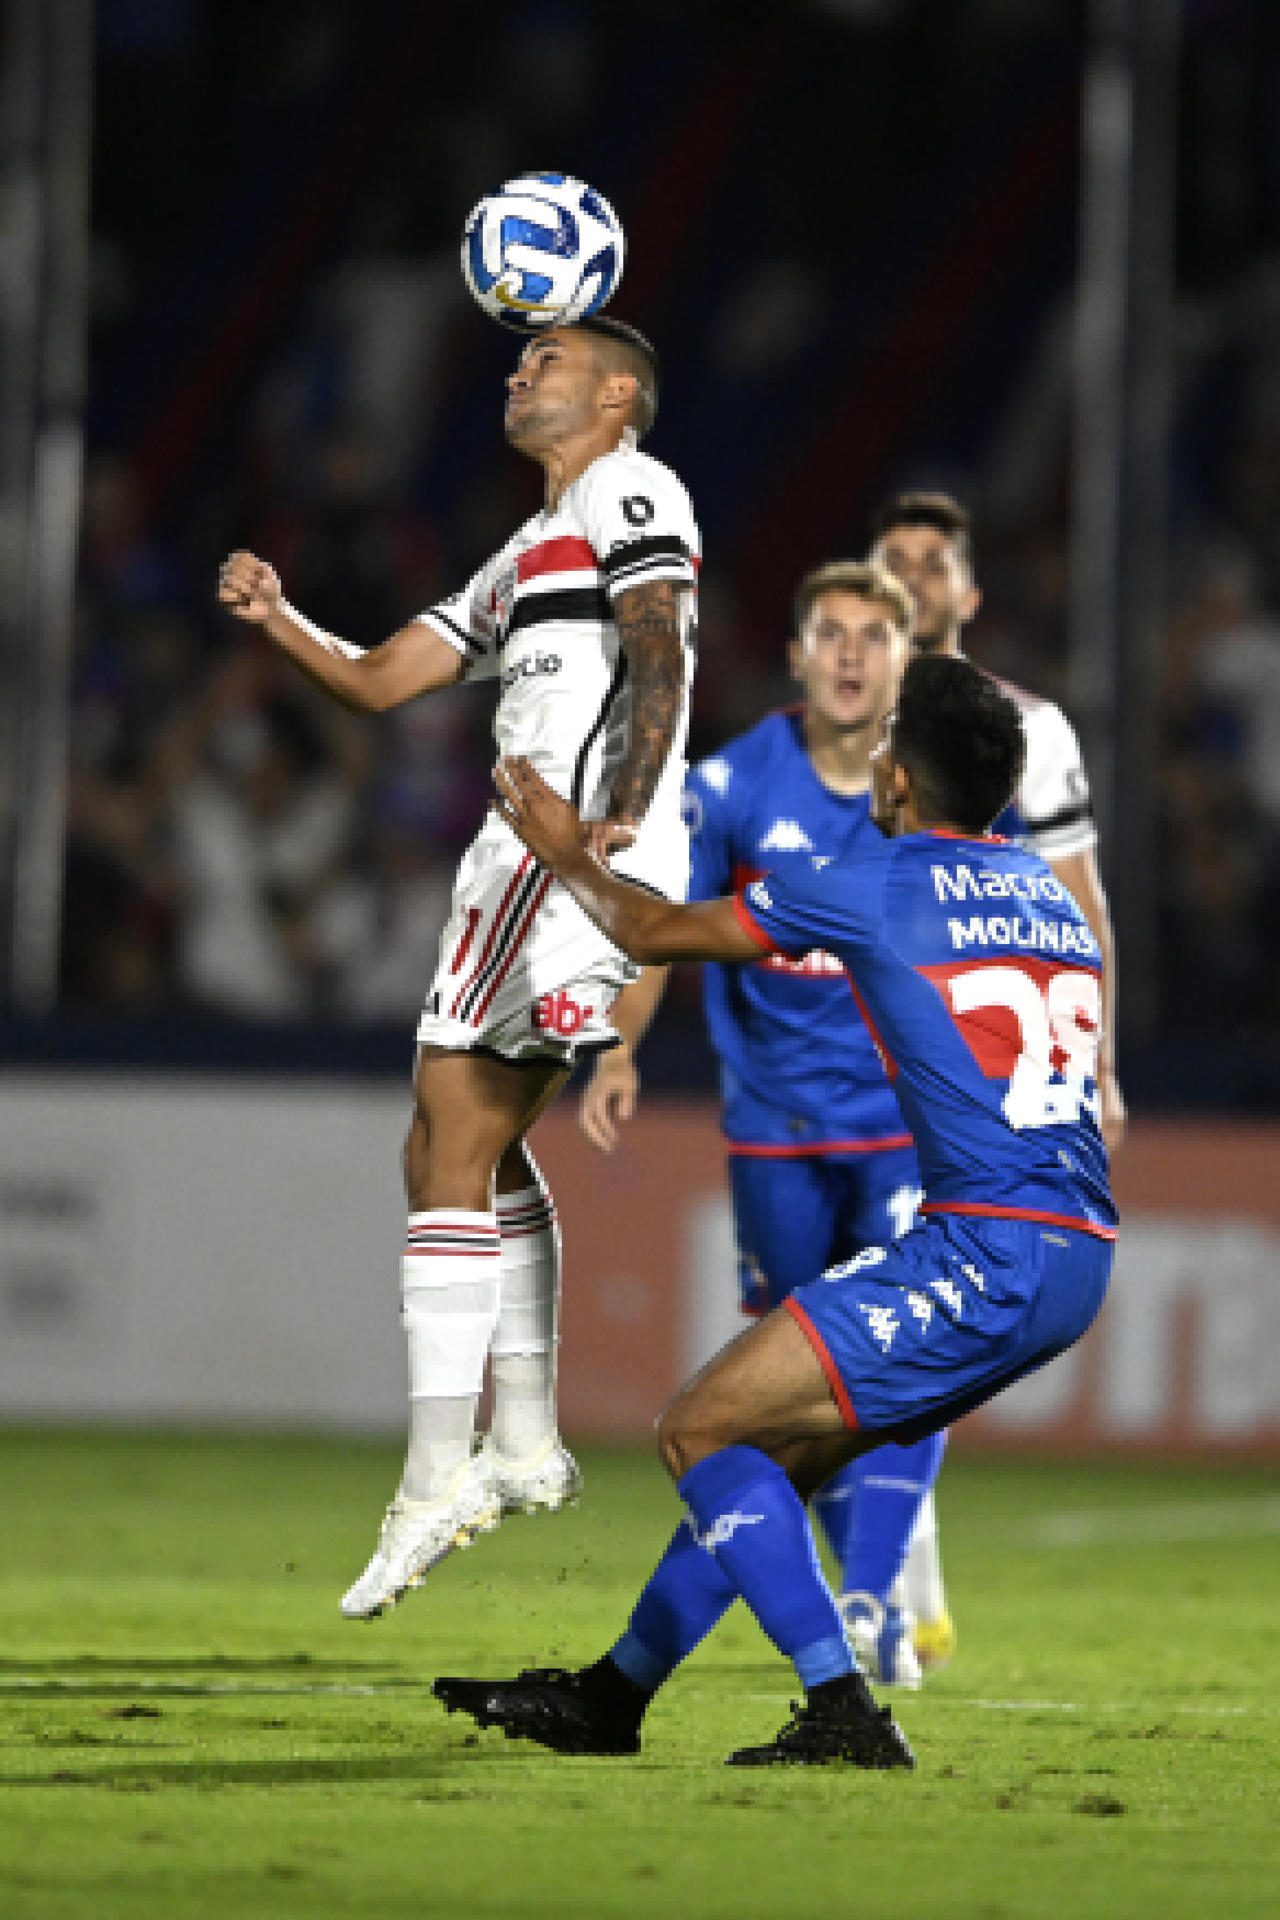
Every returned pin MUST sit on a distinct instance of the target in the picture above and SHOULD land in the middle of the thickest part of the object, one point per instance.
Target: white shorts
(522, 971)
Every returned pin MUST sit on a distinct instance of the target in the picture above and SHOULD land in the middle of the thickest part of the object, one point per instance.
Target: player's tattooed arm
(651, 621)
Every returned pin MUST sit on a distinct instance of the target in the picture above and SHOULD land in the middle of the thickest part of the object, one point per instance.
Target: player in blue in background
(980, 979)
(820, 1160)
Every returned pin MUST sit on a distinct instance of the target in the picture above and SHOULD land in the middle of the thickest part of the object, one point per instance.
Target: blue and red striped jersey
(979, 980)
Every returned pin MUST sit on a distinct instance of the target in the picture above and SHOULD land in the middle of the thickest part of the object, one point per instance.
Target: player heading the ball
(584, 620)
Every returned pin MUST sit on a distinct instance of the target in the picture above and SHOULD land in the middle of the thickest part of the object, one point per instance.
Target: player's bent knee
(672, 1448)
(683, 1442)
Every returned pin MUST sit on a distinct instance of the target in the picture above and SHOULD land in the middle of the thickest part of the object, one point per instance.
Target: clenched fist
(249, 588)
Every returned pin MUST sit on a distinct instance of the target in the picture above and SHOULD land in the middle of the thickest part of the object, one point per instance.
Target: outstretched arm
(415, 660)
(647, 928)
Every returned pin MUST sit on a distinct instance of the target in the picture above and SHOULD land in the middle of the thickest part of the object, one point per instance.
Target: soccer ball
(545, 249)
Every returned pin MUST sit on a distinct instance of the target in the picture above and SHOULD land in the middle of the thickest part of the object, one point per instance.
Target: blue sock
(868, 1509)
(749, 1515)
(686, 1595)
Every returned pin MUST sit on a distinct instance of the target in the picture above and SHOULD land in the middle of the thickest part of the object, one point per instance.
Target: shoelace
(802, 1715)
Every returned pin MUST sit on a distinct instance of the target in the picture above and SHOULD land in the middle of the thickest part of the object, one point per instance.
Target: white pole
(62, 33)
(1122, 389)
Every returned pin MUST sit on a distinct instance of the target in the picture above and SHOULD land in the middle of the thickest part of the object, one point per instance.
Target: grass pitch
(190, 1729)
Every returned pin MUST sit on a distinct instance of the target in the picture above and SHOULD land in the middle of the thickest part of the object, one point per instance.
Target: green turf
(191, 1729)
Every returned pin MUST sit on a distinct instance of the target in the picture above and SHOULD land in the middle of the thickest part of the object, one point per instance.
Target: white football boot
(542, 1482)
(881, 1638)
(417, 1534)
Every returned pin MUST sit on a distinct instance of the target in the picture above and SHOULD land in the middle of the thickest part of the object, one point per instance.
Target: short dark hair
(636, 356)
(915, 508)
(862, 577)
(960, 738)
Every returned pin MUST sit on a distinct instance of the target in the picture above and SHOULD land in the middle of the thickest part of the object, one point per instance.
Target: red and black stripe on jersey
(526, 891)
(567, 555)
(564, 603)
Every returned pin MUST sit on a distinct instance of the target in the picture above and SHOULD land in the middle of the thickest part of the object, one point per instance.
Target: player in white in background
(585, 618)
(925, 539)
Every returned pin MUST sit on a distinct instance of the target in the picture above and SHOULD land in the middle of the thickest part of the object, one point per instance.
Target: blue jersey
(798, 1066)
(979, 977)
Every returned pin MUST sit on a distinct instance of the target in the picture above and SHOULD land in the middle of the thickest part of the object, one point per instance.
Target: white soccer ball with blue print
(544, 250)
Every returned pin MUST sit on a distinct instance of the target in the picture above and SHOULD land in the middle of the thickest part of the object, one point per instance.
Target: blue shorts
(913, 1335)
(796, 1214)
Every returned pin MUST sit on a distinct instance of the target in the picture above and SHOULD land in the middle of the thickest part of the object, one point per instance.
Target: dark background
(852, 232)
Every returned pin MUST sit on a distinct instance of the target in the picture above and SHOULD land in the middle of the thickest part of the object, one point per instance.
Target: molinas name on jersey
(1028, 936)
(962, 883)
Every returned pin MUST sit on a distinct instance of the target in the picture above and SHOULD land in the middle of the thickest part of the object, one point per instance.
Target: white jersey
(538, 618)
(1052, 812)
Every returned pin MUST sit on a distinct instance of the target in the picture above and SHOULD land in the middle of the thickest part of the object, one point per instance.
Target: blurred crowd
(236, 840)
(239, 845)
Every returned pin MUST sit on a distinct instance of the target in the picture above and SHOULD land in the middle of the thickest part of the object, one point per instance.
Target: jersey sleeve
(832, 904)
(470, 621)
(1053, 798)
(708, 815)
(640, 522)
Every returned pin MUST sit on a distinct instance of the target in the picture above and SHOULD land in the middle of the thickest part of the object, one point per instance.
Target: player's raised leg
(469, 1108)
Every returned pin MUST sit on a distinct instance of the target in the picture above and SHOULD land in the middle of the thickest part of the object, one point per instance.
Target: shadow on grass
(88, 1675)
(206, 1690)
(84, 1663)
(424, 1770)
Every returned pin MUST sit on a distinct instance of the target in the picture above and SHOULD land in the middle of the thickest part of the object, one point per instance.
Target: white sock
(524, 1345)
(449, 1307)
(919, 1585)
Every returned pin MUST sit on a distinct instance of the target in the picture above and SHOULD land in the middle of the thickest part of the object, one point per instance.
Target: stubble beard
(522, 434)
(535, 429)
